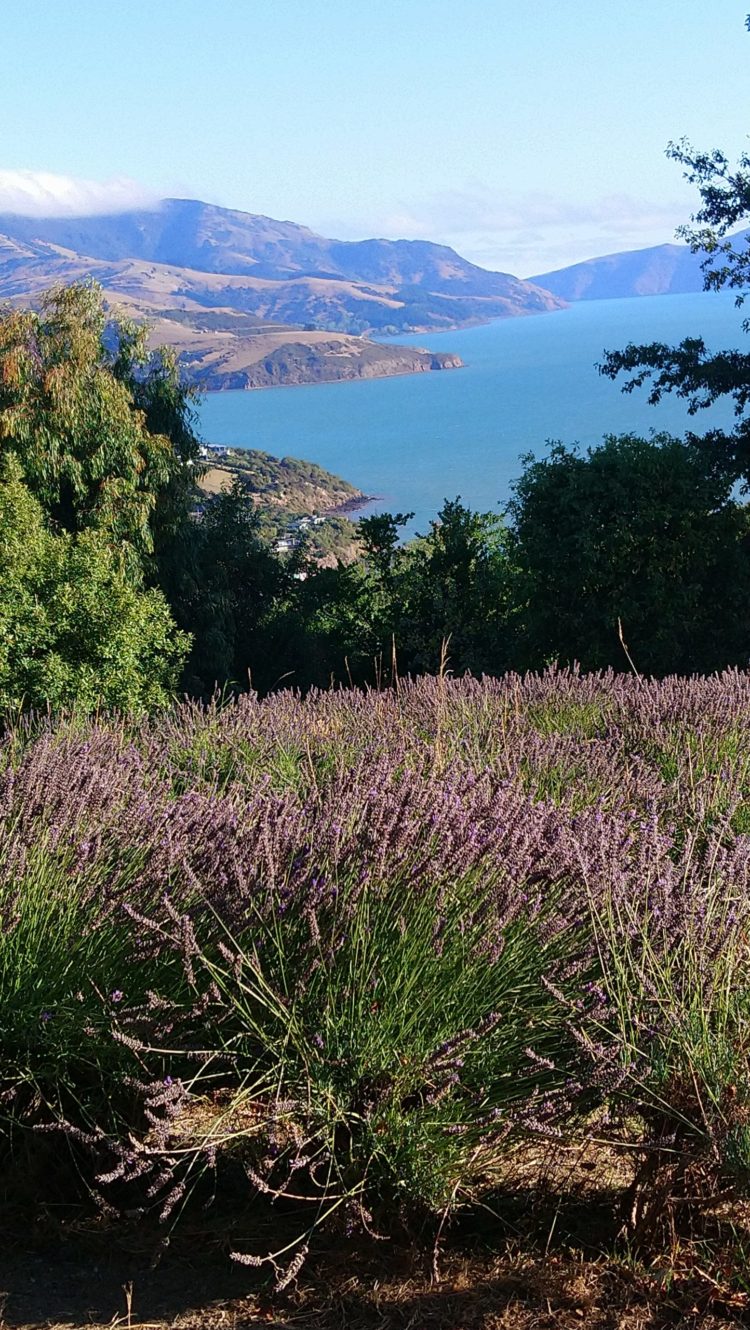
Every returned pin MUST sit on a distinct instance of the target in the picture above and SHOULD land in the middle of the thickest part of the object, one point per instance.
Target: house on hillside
(285, 545)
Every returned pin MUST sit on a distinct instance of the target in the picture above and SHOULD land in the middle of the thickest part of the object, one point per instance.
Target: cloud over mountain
(497, 229)
(45, 194)
(523, 232)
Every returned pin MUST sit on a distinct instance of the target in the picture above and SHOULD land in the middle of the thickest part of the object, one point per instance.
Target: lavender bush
(363, 944)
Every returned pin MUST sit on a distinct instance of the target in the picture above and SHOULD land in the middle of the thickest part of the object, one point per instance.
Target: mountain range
(250, 301)
(247, 301)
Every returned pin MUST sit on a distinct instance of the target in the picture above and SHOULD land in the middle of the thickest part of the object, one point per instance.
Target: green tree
(227, 590)
(442, 595)
(380, 538)
(454, 594)
(101, 428)
(338, 623)
(639, 532)
(77, 627)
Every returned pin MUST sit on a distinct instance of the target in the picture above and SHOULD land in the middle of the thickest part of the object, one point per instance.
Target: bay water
(415, 440)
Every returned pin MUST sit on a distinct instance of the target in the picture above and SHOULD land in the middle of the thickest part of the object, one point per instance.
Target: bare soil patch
(358, 1291)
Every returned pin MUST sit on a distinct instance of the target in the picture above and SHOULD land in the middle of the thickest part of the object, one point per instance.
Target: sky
(526, 135)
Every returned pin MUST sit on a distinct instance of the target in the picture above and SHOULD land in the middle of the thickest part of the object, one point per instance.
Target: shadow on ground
(510, 1293)
(527, 1268)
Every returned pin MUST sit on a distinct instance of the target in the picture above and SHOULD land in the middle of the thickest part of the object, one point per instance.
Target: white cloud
(44, 194)
(518, 232)
(477, 208)
(527, 232)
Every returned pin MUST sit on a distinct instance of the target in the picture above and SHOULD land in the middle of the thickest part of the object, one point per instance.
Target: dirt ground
(362, 1290)
(550, 1258)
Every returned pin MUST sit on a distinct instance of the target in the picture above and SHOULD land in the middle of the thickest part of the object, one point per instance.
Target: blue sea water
(420, 438)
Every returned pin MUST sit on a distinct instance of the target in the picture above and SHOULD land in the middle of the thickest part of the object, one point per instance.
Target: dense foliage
(89, 489)
(642, 536)
(73, 410)
(133, 583)
(77, 627)
(224, 585)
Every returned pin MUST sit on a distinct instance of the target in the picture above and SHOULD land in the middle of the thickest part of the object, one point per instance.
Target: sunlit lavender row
(366, 947)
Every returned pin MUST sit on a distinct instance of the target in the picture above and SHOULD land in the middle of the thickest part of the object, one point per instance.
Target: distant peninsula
(226, 350)
(250, 302)
(301, 507)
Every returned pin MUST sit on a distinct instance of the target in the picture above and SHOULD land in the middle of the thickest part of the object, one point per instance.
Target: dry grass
(215, 480)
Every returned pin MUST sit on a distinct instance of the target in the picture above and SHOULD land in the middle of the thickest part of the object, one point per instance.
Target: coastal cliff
(302, 362)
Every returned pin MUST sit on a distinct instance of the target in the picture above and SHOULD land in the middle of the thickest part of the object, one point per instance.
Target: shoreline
(394, 340)
(351, 505)
(334, 383)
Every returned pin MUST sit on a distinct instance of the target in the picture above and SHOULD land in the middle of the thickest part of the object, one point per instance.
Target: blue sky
(526, 135)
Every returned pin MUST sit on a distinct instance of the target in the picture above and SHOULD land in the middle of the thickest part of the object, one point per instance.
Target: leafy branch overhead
(690, 370)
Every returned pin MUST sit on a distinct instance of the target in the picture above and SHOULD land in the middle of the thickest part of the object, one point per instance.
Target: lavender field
(365, 952)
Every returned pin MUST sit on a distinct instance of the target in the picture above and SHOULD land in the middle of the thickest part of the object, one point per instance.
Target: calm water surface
(416, 440)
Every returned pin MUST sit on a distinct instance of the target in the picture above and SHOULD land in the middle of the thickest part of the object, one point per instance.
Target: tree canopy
(638, 535)
(101, 428)
(96, 451)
